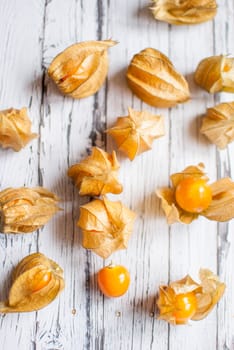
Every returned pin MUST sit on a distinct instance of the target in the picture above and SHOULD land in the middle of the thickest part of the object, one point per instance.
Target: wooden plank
(223, 34)
(66, 135)
(191, 246)
(20, 67)
(147, 255)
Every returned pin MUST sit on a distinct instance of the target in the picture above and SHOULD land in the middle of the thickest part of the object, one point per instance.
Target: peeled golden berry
(193, 195)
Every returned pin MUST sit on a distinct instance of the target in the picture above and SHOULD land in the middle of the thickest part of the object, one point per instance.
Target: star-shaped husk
(97, 174)
(37, 281)
(220, 209)
(207, 294)
(24, 210)
(218, 124)
(135, 133)
(15, 129)
(106, 225)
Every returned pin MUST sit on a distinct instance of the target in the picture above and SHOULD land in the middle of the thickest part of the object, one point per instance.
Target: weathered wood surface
(31, 34)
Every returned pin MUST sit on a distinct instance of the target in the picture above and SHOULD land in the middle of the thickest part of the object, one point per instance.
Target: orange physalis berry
(113, 280)
(193, 194)
(41, 280)
(185, 307)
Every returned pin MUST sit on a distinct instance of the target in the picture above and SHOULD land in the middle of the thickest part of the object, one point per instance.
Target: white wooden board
(31, 34)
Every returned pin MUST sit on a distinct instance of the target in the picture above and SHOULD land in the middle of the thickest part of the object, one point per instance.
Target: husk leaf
(24, 296)
(196, 171)
(24, 210)
(184, 12)
(97, 174)
(106, 226)
(15, 129)
(135, 133)
(212, 291)
(172, 211)
(218, 124)
(216, 74)
(222, 205)
(154, 79)
(80, 70)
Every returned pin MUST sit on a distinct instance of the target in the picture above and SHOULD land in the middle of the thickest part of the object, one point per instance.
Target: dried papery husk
(135, 133)
(37, 281)
(184, 12)
(24, 210)
(222, 205)
(212, 291)
(220, 209)
(218, 124)
(81, 69)
(216, 74)
(15, 129)
(196, 171)
(207, 294)
(106, 226)
(172, 211)
(154, 79)
(97, 174)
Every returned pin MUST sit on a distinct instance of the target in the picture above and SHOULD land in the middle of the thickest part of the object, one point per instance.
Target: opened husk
(24, 210)
(135, 133)
(153, 78)
(37, 281)
(220, 209)
(222, 205)
(106, 226)
(207, 293)
(15, 129)
(81, 69)
(218, 124)
(185, 11)
(97, 174)
(216, 74)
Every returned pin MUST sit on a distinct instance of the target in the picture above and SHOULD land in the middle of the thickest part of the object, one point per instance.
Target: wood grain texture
(31, 34)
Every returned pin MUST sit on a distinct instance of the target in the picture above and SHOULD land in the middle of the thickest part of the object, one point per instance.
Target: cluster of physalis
(79, 71)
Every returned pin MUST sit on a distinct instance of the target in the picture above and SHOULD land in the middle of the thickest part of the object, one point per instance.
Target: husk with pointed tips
(15, 129)
(106, 226)
(24, 210)
(81, 69)
(218, 124)
(220, 209)
(135, 133)
(153, 78)
(216, 74)
(207, 294)
(97, 174)
(184, 12)
(23, 295)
